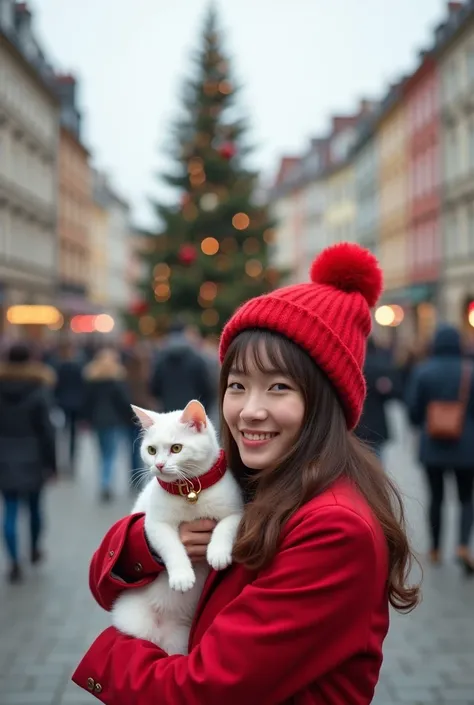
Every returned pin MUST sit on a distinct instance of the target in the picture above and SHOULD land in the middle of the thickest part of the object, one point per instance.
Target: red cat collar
(190, 489)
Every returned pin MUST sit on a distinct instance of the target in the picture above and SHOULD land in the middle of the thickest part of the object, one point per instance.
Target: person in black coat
(373, 425)
(69, 392)
(107, 409)
(439, 378)
(180, 374)
(27, 446)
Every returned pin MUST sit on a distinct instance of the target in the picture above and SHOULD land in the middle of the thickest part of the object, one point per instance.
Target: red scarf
(190, 489)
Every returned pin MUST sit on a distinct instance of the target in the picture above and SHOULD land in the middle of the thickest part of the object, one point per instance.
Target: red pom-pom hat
(329, 318)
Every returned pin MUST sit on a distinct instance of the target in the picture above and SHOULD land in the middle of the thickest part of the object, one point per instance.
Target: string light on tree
(269, 236)
(210, 317)
(210, 246)
(225, 87)
(251, 246)
(162, 292)
(209, 202)
(229, 246)
(208, 291)
(161, 272)
(253, 267)
(241, 221)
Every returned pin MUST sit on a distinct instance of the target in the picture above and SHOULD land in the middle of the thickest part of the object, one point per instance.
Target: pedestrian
(69, 392)
(107, 409)
(180, 373)
(137, 369)
(444, 379)
(321, 552)
(27, 448)
(373, 425)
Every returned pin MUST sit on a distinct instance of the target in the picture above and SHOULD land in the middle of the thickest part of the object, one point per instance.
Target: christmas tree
(212, 251)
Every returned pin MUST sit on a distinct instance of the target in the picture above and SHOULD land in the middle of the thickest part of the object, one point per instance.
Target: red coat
(307, 630)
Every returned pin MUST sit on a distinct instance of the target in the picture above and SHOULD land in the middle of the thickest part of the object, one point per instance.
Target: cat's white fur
(162, 612)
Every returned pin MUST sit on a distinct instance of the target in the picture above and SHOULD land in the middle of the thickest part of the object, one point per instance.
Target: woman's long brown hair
(324, 451)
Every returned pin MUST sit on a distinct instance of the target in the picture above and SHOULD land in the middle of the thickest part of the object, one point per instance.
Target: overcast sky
(299, 61)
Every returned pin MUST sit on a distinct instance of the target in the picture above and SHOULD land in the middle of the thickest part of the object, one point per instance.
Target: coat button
(90, 684)
(111, 554)
(138, 567)
(98, 688)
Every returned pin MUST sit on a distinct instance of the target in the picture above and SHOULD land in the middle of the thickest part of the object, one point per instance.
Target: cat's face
(179, 444)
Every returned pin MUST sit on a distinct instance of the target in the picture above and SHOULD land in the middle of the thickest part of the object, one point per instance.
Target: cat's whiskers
(139, 475)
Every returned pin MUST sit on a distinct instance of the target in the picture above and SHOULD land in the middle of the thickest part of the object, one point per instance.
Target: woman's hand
(195, 536)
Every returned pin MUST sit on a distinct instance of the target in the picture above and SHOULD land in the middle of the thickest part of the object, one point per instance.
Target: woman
(137, 369)
(107, 409)
(301, 615)
(27, 447)
(441, 377)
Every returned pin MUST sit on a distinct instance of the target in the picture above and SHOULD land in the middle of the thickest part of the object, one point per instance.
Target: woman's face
(264, 412)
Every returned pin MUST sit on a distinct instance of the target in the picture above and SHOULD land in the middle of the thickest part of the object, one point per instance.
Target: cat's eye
(151, 450)
(176, 448)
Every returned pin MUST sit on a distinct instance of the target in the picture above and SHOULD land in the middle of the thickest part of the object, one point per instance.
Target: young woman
(301, 615)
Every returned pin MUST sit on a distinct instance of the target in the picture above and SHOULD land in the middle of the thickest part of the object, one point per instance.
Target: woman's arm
(301, 618)
(122, 561)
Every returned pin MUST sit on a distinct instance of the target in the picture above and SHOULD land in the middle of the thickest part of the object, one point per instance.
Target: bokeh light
(210, 246)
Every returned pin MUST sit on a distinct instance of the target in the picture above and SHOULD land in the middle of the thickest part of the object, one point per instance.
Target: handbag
(445, 419)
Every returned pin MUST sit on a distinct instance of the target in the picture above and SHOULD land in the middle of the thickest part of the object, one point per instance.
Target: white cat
(190, 481)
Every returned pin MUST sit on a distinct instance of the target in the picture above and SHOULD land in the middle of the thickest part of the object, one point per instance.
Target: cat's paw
(219, 556)
(182, 580)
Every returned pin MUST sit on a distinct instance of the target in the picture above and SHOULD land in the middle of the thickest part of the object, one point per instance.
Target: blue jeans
(12, 501)
(109, 439)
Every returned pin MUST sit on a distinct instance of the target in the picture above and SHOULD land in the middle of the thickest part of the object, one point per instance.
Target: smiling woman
(321, 551)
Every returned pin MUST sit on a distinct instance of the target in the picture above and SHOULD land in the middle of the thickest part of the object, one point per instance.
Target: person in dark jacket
(373, 425)
(27, 447)
(436, 379)
(107, 409)
(136, 363)
(69, 392)
(180, 374)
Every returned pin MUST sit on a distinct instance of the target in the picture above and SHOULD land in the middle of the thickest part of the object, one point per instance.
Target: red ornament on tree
(185, 199)
(139, 307)
(227, 150)
(187, 254)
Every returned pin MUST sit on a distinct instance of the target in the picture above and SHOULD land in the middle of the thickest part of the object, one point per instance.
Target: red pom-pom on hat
(351, 268)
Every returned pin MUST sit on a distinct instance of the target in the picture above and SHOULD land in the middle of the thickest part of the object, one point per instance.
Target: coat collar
(28, 371)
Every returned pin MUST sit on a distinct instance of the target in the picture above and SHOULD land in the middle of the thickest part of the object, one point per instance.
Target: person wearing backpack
(440, 400)
(27, 448)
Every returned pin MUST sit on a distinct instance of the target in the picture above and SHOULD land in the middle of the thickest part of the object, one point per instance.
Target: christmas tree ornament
(187, 254)
(139, 307)
(227, 150)
(209, 201)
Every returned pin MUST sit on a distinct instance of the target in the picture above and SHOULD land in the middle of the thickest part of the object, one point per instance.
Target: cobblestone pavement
(48, 622)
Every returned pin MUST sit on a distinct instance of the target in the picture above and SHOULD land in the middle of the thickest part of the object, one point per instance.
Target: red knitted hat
(329, 318)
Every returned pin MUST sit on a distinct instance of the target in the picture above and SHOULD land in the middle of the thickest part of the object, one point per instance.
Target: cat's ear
(194, 415)
(145, 417)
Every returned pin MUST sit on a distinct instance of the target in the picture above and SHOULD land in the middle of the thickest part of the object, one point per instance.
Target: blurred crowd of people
(436, 388)
(47, 397)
